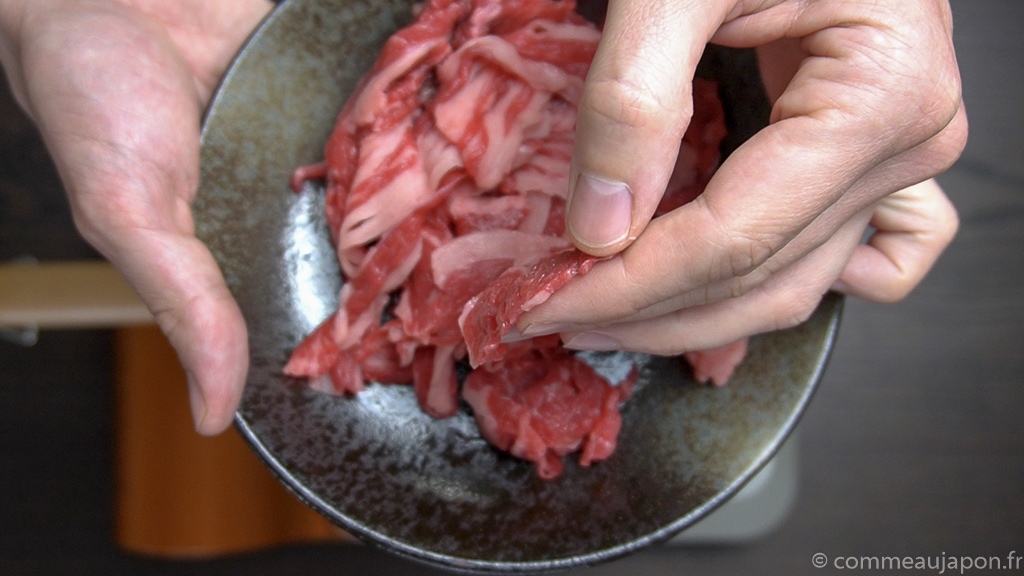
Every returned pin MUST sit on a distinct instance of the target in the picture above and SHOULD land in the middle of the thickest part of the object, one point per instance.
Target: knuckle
(634, 281)
(900, 81)
(949, 143)
(940, 116)
(746, 240)
(744, 284)
(634, 105)
(753, 251)
(746, 252)
(933, 98)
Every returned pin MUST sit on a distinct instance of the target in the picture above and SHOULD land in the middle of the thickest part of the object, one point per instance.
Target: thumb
(635, 107)
(178, 279)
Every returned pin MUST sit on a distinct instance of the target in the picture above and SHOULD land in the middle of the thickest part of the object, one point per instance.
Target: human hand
(867, 103)
(117, 89)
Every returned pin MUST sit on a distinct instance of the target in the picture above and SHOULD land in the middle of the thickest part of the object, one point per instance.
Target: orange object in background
(179, 494)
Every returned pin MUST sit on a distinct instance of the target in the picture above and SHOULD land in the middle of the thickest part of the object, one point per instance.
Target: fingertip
(634, 109)
(214, 399)
(223, 369)
(221, 393)
(209, 335)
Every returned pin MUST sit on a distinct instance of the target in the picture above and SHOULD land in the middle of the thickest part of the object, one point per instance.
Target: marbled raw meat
(446, 177)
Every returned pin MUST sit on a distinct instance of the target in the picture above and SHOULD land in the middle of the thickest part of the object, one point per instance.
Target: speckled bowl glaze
(433, 490)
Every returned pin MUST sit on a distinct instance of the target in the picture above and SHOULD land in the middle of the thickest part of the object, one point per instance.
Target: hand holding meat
(867, 102)
(117, 90)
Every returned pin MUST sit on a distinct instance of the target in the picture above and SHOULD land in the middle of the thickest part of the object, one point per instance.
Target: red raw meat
(492, 313)
(446, 175)
(545, 404)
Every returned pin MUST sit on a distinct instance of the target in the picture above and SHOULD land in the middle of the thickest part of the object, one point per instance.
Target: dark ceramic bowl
(433, 490)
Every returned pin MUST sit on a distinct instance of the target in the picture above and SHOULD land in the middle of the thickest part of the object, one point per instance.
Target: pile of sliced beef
(446, 178)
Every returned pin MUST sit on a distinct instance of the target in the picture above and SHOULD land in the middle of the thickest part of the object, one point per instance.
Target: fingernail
(196, 400)
(593, 341)
(513, 335)
(544, 329)
(600, 211)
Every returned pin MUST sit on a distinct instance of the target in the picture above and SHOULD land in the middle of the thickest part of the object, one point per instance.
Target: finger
(933, 155)
(179, 281)
(720, 245)
(912, 228)
(891, 174)
(839, 141)
(635, 107)
(786, 300)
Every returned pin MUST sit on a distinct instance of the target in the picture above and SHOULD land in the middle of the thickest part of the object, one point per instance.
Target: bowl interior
(434, 490)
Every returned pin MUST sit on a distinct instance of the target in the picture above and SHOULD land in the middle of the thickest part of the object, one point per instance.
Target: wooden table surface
(913, 446)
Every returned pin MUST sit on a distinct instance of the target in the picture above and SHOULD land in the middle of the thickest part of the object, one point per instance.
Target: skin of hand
(867, 108)
(117, 89)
